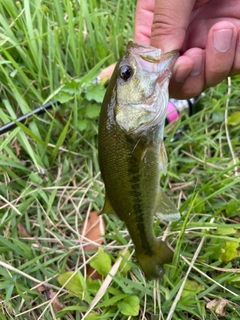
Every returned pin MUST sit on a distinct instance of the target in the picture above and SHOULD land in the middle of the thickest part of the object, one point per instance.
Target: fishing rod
(42, 109)
(22, 119)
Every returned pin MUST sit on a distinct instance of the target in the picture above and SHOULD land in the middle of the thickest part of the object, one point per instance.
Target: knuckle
(166, 31)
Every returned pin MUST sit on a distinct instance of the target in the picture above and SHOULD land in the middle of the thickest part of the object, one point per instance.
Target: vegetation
(50, 181)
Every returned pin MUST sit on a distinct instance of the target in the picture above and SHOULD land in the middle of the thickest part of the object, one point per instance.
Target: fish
(131, 150)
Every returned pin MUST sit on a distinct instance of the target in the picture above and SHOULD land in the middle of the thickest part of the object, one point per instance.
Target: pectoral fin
(140, 149)
(165, 209)
(163, 158)
(107, 208)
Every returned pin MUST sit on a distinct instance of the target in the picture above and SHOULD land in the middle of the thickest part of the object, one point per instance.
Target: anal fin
(165, 209)
(107, 208)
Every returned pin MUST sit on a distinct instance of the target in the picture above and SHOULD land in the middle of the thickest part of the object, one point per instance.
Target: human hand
(206, 32)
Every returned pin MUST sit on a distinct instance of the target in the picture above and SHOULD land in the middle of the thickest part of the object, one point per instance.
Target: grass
(50, 181)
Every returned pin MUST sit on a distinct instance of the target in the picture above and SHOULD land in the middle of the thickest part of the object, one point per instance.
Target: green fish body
(132, 152)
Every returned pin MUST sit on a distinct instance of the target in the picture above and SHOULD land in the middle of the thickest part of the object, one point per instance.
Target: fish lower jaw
(152, 264)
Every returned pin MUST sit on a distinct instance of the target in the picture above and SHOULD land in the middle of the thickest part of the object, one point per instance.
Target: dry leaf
(92, 230)
(57, 115)
(49, 294)
(7, 231)
(41, 288)
(218, 306)
(17, 148)
(22, 230)
(93, 274)
(57, 305)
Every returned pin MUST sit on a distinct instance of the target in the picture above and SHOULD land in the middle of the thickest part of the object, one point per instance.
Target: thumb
(170, 22)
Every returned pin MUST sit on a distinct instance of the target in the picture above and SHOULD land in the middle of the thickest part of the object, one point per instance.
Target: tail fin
(152, 265)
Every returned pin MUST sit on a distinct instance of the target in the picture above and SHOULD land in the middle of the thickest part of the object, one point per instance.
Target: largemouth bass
(132, 152)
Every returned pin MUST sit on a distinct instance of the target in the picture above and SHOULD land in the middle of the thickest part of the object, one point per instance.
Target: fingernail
(222, 39)
(197, 69)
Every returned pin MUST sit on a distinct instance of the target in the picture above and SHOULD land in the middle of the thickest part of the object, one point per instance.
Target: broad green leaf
(93, 287)
(129, 306)
(224, 231)
(76, 284)
(63, 97)
(93, 316)
(233, 207)
(83, 124)
(95, 93)
(92, 111)
(101, 262)
(124, 265)
(234, 119)
(229, 251)
(213, 252)
(35, 178)
(218, 117)
(191, 288)
(112, 301)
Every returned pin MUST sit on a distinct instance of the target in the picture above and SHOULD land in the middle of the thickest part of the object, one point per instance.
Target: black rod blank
(40, 110)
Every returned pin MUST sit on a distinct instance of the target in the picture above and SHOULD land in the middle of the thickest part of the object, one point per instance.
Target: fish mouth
(152, 59)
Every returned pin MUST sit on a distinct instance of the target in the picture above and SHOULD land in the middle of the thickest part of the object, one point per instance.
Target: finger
(107, 72)
(170, 22)
(220, 52)
(236, 64)
(143, 21)
(200, 3)
(181, 70)
(193, 82)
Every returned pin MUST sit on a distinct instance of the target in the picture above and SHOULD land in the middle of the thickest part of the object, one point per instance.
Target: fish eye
(125, 72)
